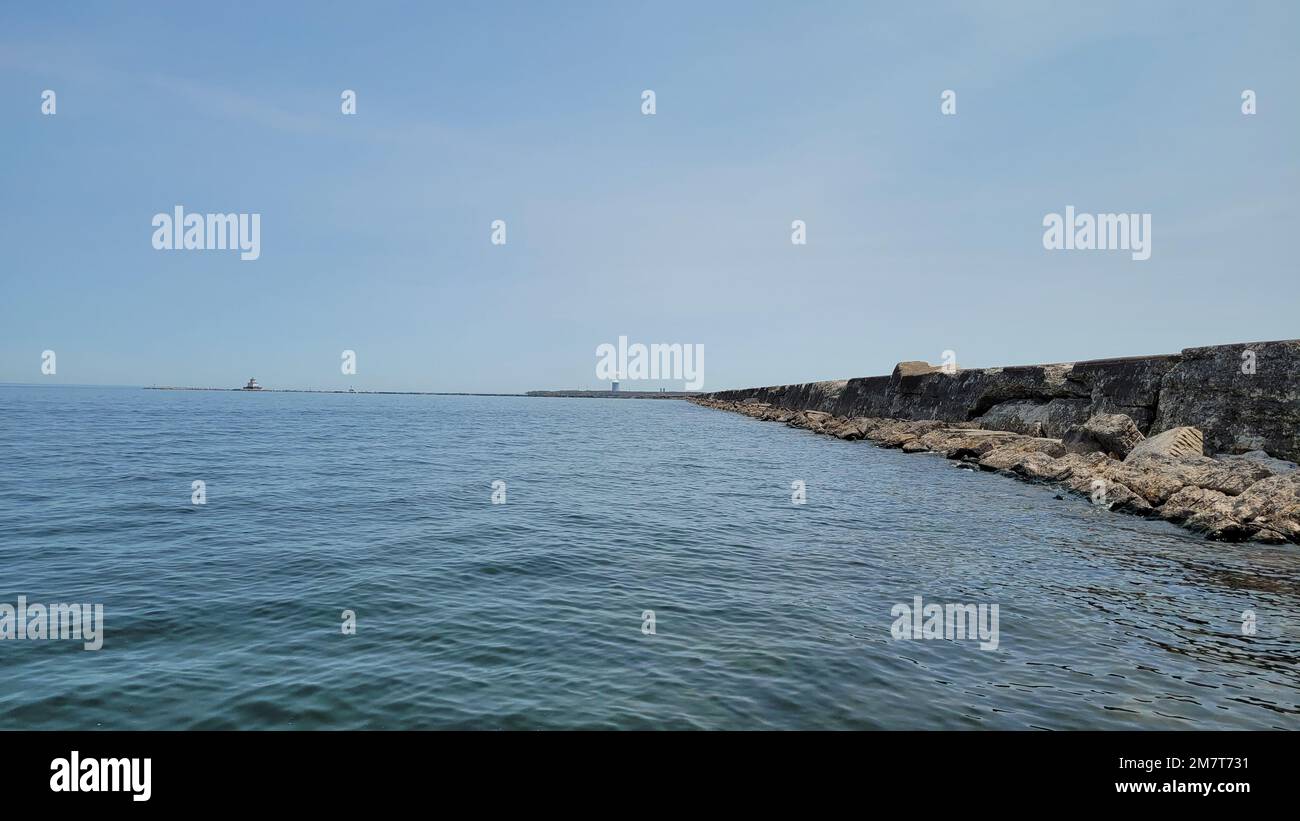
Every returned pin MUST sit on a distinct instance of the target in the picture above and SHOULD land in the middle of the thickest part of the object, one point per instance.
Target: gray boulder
(1278, 467)
(1272, 505)
(1111, 433)
(1230, 478)
(1206, 511)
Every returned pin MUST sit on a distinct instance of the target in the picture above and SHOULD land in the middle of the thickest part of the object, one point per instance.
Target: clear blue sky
(924, 230)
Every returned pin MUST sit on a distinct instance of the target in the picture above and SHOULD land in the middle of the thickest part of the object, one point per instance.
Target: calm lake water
(529, 614)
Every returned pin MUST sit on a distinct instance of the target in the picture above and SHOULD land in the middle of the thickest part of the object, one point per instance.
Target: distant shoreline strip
(545, 394)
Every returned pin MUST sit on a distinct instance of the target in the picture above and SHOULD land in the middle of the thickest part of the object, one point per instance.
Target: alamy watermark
(655, 361)
(1100, 232)
(77, 774)
(953, 622)
(179, 231)
(36, 621)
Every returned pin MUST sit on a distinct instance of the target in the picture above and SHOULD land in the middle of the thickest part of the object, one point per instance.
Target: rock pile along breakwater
(1131, 434)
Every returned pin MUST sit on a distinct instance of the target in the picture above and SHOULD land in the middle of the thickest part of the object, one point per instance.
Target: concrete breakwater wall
(1242, 397)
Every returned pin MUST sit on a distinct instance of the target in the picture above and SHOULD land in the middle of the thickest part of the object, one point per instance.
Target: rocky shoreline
(1105, 456)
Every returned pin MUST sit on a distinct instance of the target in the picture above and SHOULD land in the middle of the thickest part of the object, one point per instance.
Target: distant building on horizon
(614, 387)
(252, 385)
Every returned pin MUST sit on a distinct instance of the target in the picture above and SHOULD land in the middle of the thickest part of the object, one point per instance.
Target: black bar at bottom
(211, 770)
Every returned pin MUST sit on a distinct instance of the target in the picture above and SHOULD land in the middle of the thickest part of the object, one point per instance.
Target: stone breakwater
(1242, 397)
(1131, 434)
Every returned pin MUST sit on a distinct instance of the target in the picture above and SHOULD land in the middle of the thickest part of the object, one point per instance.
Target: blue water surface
(530, 614)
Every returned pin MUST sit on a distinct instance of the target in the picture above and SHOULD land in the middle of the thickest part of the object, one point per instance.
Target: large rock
(894, 433)
(1229, 477)
(1111, 433)
(957, 443)
(1107, 492)
(1084, 464)
(810, 420)
(1184, 441)
(1273, 506)
(853, 429)
(1153, 485)
(1277, 467)
(1041, 467)
(915, 367)
(1206, 511)
(1012, 455)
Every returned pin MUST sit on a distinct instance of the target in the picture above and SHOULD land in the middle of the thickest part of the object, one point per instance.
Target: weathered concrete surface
(864, 396)
(1205, 388)
(1237, 411)
(820, 396)
(1180, 441)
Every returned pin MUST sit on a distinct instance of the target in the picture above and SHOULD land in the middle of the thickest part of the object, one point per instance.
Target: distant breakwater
(615, 394)
(575, 394)
(308, 390)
